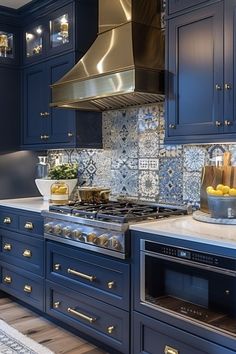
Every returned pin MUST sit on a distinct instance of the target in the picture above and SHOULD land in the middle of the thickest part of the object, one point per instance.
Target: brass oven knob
(115, 243)
(48, 228)
(92, 237)
(76, 234)
(103, 240)
(66, 231)
(57, 229)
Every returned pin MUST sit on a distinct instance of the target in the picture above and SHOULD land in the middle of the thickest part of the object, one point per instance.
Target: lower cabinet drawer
(154, 337)
(23, 285)
(101, 321)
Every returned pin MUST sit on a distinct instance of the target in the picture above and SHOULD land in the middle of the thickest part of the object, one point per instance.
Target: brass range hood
(125, 64)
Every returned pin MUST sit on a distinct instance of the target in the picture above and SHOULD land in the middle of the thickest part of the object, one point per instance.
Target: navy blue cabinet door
(35, 84)
(179, 5)
(61, 121)
(195, 74)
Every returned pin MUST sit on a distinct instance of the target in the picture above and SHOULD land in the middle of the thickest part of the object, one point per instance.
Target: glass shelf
(34, 41)
(6, 45)
(59, 31)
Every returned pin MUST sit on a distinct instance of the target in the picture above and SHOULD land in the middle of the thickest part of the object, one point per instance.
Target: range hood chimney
(124, 66)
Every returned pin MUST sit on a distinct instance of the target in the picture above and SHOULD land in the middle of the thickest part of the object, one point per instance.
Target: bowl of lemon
(222, 201)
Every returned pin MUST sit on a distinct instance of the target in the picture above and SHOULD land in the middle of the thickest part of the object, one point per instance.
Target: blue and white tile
(170, 150)
(124, 182)
(148, 184)
(191, 186)
(148, 164)
(148, 118)
(194, 158)
(148, 144)
(171, 180)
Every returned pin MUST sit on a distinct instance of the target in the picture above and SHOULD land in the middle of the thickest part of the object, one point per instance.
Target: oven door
(197, 291)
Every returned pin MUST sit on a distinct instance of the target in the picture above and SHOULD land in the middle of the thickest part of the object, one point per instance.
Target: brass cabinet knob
(57, 266)
(41, 114)
(7, 279)
(172, 126)
(28, 289)
(28, 225)
(27, 254)
(46, 114)
(44, 137)
(170, 350)
(7, 247)
(228, 87)
(217, 87)
(110, 284)
(218, 123)
(70, 135)
(7, 220)
(110, 329)
(228, 122)
(56, 304)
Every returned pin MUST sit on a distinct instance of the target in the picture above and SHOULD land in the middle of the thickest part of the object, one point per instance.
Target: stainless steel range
(102, 228)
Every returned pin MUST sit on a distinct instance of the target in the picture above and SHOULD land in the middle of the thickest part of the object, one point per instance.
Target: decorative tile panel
(171, 180)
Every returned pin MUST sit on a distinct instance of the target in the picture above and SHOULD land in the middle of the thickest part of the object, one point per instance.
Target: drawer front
(9, 220)
(23, 285)
(23, 251)
(152, 336)
(31, 225)
(179, 5)
(106, 280)
(95, 318)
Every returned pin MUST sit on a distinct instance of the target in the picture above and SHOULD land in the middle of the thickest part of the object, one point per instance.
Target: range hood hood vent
(124, 66)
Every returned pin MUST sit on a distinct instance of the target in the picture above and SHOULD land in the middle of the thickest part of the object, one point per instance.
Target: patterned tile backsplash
(135, 162)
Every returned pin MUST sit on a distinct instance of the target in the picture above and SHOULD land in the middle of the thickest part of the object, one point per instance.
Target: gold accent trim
(27, 253)
(170, 350)
(7, 220)
(81, 315)
(29, 225)
(81, 275)
(7, 279)
(28, 289)
(7, 247)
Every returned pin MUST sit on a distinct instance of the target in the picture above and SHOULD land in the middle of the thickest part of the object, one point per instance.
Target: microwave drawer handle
(170, 350)
(81, 275)
(192, 264)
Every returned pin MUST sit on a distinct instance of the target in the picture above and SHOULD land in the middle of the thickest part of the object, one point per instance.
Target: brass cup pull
(172, 126)
(7, 220)
(228, 122)
(218, 123)
(110, 284)
(218, 87)
(28, 289)
(228, 87)
(170, 350)
(7, 247)
(27, 254)
(28, 225)
(81, 315)
(81, 275)
(7, 279)
(57, 266)
(110, 329)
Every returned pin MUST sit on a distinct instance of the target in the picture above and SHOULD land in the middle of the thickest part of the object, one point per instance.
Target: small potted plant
(59, 177)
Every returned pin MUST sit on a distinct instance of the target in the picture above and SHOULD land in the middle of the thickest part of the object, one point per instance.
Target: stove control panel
(95, 236)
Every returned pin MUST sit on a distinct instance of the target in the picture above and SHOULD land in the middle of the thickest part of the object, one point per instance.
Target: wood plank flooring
(42, 331)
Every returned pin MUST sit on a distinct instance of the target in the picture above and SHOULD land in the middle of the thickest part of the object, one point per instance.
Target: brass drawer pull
(7, 280)
(28, 225)
(57, 266)
(218, 123)
(7, 247)
(28, 289)
(228, 122)
(27, 253)
(110, 284)
(110, 329)
(44, 137)
(169, 350)
(81, 315)
(7, 220)
(81, 275)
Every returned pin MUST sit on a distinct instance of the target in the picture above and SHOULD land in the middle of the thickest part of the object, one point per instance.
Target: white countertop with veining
(36, 204)
(185, 227)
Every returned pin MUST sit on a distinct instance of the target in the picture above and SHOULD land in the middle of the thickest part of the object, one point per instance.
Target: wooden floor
(42, 331)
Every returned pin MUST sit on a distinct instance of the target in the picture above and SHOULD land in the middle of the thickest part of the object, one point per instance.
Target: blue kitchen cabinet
(175, 6)
(45, 127)
(22, 255)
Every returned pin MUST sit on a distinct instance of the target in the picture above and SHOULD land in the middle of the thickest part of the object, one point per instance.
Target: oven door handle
(189, 263)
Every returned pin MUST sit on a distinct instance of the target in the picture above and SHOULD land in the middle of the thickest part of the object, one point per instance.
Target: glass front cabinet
(9, 45)
(51, 36)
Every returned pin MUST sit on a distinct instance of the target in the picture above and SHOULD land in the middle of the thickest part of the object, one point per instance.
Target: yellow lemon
(226, 195)
(219, 187)
(209, 188)
(225, 189)
(212, 192)
(218, 192)
(232, 191)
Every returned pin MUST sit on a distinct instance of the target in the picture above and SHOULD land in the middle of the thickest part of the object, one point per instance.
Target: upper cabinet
(9, 44)
(200, 63)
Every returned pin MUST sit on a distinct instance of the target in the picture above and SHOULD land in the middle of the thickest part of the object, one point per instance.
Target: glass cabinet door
(34, 41)
(6, 45)
(59, 31)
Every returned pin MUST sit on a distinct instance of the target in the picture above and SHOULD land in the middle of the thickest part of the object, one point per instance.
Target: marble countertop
(36, 204)
(185, 227)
